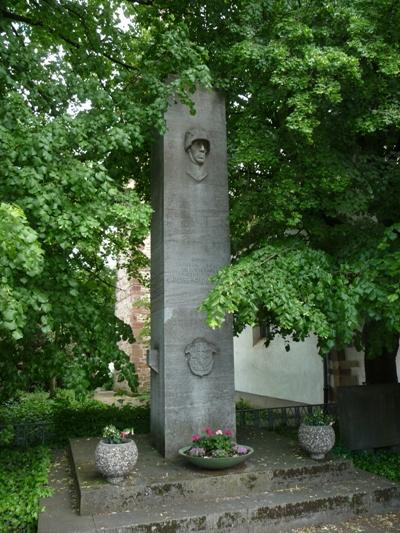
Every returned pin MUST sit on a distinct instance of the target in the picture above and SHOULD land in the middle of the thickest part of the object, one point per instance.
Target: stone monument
(192, 374)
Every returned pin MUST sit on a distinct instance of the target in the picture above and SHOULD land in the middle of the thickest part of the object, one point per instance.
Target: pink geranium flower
(228, 433)
(195, 437)
(209, 431)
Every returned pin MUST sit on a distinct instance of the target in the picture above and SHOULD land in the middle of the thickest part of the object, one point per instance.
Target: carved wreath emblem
(200, 356)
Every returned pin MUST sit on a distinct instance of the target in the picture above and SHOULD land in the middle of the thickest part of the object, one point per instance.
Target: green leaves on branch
(284, 287)
(21, 259)
(313, 131)
(82, 93)
(297, 291)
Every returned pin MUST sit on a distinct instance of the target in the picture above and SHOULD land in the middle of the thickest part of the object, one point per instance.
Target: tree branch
(19, 18)
(35, 23)
(142, 2)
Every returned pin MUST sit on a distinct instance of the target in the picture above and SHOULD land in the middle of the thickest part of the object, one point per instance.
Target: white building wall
(296, 375)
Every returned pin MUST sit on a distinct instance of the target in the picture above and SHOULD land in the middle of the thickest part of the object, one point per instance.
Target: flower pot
(116, 461)
(215, 463)
(316, 440)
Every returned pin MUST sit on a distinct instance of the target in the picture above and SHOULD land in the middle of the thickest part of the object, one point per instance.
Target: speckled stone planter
(115, 461)
(316, 440)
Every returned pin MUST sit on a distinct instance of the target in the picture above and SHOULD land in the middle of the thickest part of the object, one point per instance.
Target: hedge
(37, 418)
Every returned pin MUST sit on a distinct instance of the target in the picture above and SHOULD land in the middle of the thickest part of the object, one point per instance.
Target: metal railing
(32, 433)
(274, 417)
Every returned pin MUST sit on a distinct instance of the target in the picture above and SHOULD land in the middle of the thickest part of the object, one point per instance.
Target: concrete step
(156, 481)
(277, 489)
(272, 511)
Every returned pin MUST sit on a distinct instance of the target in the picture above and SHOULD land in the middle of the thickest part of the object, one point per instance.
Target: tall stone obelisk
(192, 374)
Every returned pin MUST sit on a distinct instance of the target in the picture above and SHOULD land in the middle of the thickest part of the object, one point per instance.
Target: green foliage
(21, 258)
(243, 404)
(215, 444)
(81, 93)
(313, 128)
(23, 477)
(111, 435)
(386, 464)
(279, 285)
(220, 443)
(145, 332)
(7, 435)
(67, 416)
(318, 418)
(382, 463)
(313, 132)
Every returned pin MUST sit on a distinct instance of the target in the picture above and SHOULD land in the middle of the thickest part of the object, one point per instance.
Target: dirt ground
(112, 398)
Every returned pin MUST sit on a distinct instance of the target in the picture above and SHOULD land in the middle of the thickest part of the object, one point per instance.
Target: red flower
(195, 437)
(228, 433)
(209, 431)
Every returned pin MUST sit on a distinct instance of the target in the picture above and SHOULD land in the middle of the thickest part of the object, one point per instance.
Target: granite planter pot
(116, 461)
(215, 463)
(316, 440)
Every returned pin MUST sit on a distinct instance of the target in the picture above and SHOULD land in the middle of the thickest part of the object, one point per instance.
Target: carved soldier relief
(200, 356)
(197, 146)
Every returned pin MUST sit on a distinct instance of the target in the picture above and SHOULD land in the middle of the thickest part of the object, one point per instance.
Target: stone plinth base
(275, 490)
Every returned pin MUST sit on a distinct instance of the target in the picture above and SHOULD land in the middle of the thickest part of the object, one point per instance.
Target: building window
(259, 332)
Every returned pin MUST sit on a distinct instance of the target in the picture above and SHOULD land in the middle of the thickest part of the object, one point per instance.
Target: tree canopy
(312, 94)
(313, 116)
(82, 91)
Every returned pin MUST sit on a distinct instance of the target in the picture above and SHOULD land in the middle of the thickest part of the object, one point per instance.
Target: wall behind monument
(295, 375)
(128, 292)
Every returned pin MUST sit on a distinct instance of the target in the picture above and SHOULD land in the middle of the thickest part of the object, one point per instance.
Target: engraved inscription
(197, 146)
(200, 356)
(191, 273)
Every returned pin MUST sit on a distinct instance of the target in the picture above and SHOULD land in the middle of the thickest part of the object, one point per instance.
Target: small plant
(243, 404)
(215, 444)
(112, 435)
(318, 418)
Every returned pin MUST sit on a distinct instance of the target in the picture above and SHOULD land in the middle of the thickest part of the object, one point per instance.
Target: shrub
(43, 419)
(23, 476)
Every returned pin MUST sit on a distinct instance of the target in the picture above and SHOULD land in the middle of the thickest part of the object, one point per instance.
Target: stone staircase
(276, 490)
